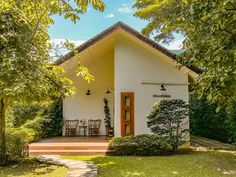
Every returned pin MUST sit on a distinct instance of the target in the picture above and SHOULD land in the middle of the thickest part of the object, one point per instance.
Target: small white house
(131, 71)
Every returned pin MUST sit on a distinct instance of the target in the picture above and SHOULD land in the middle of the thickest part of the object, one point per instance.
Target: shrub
(54, 115)
(17, 142)
(168, 118)
(26, 124)
(205, 121)
(142, 145)
(45, 120)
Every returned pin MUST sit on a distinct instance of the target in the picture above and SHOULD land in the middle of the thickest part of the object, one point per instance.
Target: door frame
(122, 113)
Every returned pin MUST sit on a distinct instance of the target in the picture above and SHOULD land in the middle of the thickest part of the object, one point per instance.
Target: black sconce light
(109, 89)
(163, 87)
(88, 92)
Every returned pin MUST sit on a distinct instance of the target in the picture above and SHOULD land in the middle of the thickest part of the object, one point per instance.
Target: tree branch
(38, 22)
(231, 9)
(2, 47)
(225, 30)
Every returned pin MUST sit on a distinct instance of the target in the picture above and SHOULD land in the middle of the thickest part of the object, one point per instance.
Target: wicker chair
(71, 127)
(94, 127)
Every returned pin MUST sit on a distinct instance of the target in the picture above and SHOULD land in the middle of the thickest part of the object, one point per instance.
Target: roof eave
(121, 25)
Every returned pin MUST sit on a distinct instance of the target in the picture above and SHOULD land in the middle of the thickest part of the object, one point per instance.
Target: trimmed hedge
(140, 145)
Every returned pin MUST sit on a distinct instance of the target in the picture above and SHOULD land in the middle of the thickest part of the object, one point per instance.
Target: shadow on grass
(27, 167)
(140, 166)
(181, 151)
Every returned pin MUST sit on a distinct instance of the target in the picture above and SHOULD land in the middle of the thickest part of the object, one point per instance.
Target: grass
(193, 164)
(31, 168)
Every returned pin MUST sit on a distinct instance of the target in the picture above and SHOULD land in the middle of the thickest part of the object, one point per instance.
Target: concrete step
(68, 152)
(69, 147)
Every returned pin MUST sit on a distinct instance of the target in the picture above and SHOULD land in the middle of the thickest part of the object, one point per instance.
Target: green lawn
(31, 168)
(193, 164)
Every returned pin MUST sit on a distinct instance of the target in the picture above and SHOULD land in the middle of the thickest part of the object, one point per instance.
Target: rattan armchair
(71, 127)
(94, 127)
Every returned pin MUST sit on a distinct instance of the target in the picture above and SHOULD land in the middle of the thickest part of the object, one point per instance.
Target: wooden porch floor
(70, 146)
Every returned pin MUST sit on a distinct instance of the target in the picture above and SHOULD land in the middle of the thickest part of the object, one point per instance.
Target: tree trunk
(3, 159)
(174, 148)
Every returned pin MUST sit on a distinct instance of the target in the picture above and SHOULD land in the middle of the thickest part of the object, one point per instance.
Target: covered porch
(69, 146)
(88, 102)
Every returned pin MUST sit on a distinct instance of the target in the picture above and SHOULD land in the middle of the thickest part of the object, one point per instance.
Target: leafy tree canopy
(26, 73)
(209, 30)
(24, 44)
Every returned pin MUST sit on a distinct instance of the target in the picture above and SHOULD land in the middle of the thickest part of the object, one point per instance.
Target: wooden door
(127, 113)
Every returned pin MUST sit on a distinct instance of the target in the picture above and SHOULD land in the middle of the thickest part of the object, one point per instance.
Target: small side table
(83, 128)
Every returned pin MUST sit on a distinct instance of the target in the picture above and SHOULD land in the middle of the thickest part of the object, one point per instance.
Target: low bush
(26, 124)
(140, 145)
(17, 142)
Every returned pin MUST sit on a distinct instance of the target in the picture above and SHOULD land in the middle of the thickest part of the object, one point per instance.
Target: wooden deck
(69, 146)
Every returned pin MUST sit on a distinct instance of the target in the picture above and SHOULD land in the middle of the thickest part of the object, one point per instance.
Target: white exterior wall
(134, 64)
(82, 106)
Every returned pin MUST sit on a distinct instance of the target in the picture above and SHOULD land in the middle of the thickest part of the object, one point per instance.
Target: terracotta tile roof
(116, 26)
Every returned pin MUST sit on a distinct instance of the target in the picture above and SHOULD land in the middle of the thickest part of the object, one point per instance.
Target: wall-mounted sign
(161, 96)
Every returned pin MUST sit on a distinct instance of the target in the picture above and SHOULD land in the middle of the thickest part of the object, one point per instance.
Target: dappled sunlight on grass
(31, 168)
(135, 174)
(107, 164)
(184, 164)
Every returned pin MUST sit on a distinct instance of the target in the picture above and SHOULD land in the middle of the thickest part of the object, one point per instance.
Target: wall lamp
(88, 92)
(109, 89)
(163, 87)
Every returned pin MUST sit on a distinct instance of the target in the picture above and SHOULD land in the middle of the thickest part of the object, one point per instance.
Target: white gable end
(133, 65)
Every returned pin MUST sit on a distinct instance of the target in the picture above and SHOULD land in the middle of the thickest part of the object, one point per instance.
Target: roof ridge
(108, 31)
(129, 30)
(127, 26)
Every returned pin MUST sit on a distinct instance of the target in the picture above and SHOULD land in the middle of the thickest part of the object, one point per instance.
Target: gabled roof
(116, 26)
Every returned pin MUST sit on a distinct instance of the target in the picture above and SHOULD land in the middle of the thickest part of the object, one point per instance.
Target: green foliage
(17, 142)
(107, 114)
(54, 114)
(81, 70)
(26, 124)
(231, 121)
(206, 122)
(142, 145)
(45, 120)
(26, 73)
(168, 118)
(18, 115)
(209, 34)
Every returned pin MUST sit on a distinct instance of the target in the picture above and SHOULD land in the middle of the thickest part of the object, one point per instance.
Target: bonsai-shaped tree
(168, 118)
(107, 114)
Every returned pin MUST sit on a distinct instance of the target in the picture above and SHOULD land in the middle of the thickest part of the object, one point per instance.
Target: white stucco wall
(134, 64)
(123, 69)
(81, 106)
